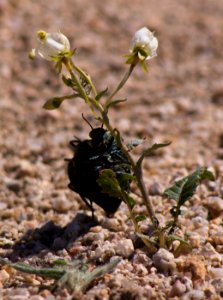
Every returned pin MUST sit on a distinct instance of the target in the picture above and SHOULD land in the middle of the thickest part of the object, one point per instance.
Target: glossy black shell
(90, 157)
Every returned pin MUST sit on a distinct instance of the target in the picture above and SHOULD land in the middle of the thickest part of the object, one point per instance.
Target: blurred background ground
(179, 100)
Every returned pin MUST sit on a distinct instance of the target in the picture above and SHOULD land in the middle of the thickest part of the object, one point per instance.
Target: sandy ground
(180, 100)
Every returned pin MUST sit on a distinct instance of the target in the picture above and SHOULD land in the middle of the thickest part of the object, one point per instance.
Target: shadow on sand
(51, 236)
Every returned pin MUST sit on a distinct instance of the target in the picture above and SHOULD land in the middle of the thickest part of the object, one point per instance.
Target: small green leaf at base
(130, 201)
(140, 218)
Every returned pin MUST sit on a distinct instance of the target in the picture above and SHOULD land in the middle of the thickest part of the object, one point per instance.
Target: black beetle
(90, 157)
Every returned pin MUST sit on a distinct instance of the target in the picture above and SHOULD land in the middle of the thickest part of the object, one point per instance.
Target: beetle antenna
(83, 117)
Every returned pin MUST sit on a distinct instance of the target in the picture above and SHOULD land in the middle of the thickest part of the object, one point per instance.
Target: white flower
(144, 43)
(50, 45)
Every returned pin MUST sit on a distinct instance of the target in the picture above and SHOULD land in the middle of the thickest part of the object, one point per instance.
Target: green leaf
(140, 218)
(114, 103)
(109, 183)
(154, 147)
(101, 94)
(55, 102)
(183, 189)
(150, 150)
(207, 175)
(172, 237)
(124, 179)
(60, 262)
(74, 276)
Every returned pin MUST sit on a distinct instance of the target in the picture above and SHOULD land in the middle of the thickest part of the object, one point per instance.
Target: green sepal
(144, 66)
(130, 58)
(58, 67)
(68, 81)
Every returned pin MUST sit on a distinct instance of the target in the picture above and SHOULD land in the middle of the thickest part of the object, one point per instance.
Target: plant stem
(123, 81)
(137, 173)
(69, 67)
(86, 76)
(145, 196)
(137, 228)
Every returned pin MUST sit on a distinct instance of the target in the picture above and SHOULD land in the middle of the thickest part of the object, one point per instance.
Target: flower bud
(51, 45)
(144, 44)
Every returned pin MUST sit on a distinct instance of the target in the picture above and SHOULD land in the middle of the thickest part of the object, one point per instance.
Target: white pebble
(164, 261)
(215, 205)
(124, 247)
(61, 204)
(4, 276)
(178, 289)
(105, 250)
(211, 254)
(194, 295)
(216, 272)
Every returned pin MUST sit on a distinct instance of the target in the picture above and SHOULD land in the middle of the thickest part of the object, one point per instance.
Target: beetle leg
(89, 205)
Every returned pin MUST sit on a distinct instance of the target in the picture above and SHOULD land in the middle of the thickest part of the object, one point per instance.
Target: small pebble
(215, 206)
(218, 285)
(111, 224)
(106, 250)
(3, 205)
(96, 229)
(13, 184)
(210, 253)
(216, 272)
(194, 239)
(36, 297)
(61, 204)
(19, 294)
(25, 169)
(155, 189)
(124, 247)
(178, 289)
(194, 295)
(4, 276)
(164, 261)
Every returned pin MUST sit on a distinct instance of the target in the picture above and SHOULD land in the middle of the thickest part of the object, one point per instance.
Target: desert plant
(109, 167)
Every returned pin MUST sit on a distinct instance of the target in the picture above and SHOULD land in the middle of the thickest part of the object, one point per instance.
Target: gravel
(179, 100)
